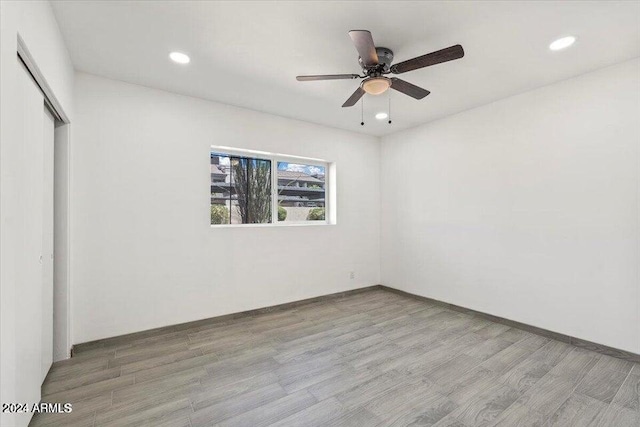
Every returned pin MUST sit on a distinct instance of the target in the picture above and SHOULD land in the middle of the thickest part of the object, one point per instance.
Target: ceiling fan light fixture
(376, 85)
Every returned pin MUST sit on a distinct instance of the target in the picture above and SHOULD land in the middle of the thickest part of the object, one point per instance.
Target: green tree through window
(252, 183)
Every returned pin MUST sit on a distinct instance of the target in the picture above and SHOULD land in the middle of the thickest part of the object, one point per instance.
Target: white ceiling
(248, 53)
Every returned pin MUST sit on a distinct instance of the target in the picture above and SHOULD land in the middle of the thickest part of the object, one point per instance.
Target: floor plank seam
(617, 392)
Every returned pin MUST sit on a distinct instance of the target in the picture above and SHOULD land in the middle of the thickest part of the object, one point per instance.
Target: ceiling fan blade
(364, 45)
(433, 58)
(408, 88)
(355, 97)
(327, 77)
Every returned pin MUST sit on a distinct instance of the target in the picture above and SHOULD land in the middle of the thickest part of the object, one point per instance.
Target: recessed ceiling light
(562, 43)
(179, 57)
(381, 116)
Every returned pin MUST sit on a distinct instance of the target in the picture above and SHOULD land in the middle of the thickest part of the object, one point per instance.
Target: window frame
(274, 158)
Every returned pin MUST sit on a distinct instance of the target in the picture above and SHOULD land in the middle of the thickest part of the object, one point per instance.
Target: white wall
(526, 208)
(35, 23)
(143, 252)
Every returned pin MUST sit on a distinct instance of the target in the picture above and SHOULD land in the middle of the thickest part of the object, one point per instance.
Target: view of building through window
(242, 193)
(301, 192)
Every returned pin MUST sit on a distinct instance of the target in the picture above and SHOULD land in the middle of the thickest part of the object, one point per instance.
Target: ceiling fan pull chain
(362, 112)
(389, 107)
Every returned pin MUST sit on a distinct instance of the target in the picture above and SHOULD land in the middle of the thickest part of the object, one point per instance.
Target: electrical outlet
(352, 275)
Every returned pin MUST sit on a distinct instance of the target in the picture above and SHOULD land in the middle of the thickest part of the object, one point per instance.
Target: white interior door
(29, 259)
(47, 241)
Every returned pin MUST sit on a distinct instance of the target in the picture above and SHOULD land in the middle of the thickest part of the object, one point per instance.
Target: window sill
(283, 224)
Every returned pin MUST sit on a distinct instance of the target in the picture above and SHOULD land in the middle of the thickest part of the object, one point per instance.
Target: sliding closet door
(47, 241)
(29, 259)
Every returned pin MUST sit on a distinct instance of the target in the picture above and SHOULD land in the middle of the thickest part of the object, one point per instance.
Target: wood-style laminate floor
(369, 359)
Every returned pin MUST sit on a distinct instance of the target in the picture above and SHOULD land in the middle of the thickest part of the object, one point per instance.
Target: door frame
(62, 213)
(49, 97)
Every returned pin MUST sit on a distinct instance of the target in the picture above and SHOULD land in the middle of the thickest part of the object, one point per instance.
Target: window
(240, 190)
(301, 192)
(261, 188)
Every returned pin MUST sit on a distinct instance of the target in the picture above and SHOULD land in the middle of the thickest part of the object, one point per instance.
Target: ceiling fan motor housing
(385, 57)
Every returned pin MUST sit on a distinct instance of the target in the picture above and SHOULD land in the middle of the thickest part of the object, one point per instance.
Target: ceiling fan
(376, 63)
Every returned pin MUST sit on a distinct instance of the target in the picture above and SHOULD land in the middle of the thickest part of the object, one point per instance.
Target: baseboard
(578, 342)
(107, 342)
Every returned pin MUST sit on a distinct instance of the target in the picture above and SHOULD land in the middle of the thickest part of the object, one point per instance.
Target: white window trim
(329, 186)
